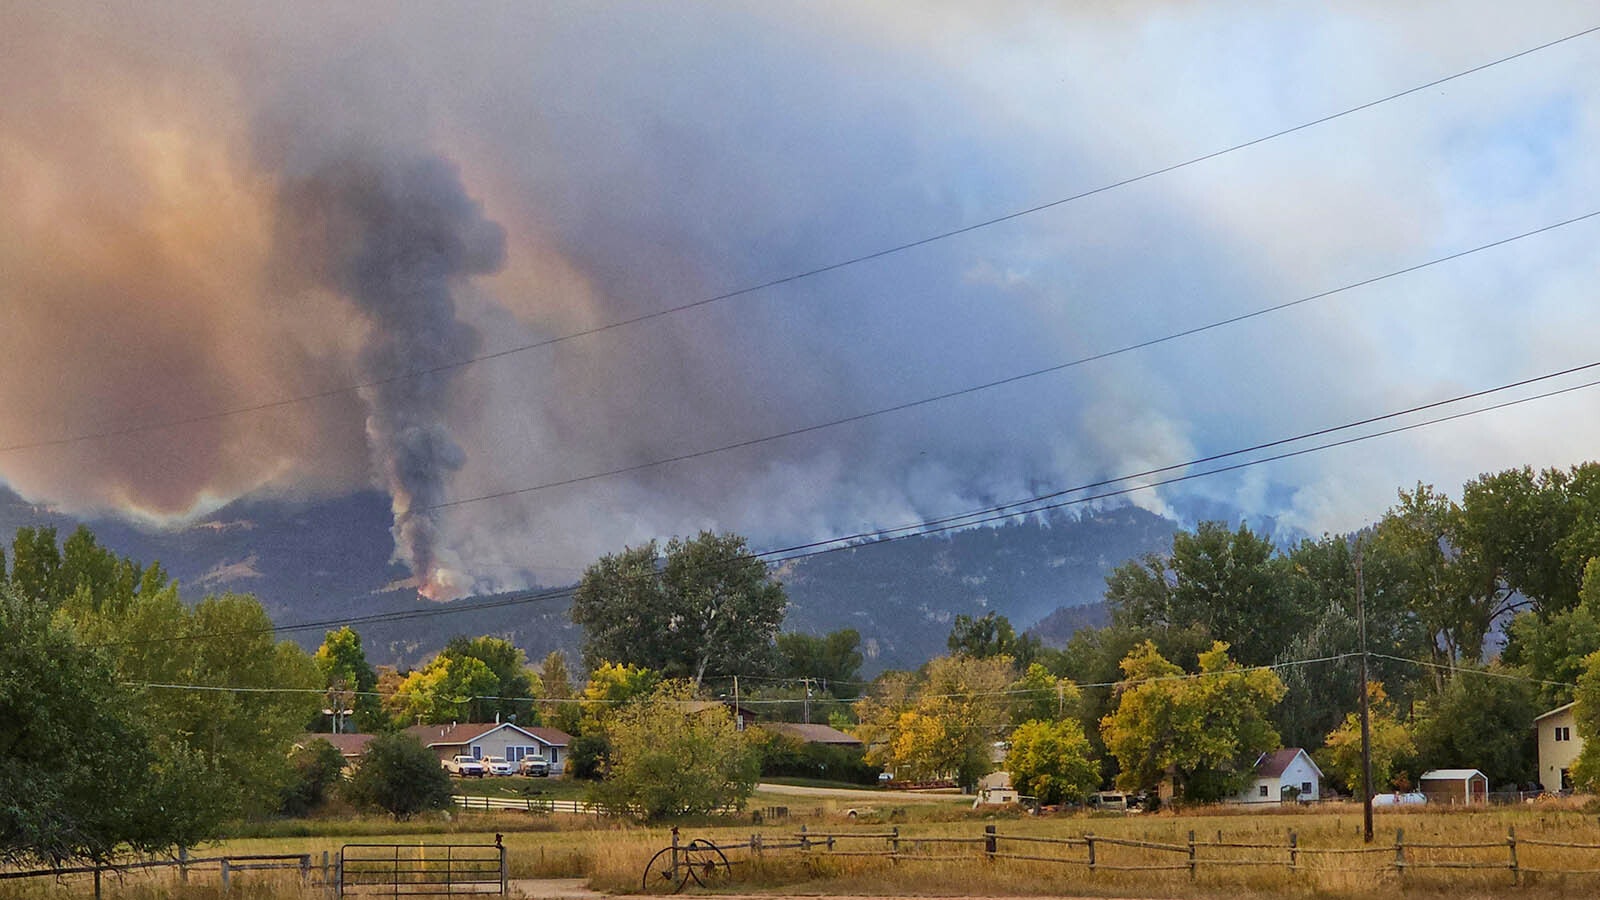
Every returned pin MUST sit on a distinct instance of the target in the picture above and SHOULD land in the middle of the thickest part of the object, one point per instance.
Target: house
(1559, 746)
(1283, 775)
(1451, 786)
(504, 739)
(814, 734)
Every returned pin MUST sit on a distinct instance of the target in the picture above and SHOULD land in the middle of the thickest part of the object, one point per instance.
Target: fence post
(225, 876)
(805, 842)
(1191, 854)
(894, 845)
(183, 864)
(990, 842)
(1511, 841)
(305, 868)
(324, 868)
(96, 883)
(1294, 850)
(1089, 839)
(1400, 850)
(674, 851)
(505, 866)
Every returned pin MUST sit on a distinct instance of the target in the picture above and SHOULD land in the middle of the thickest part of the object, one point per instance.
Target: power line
(978, 517)
(775, 282)
(1011, 379)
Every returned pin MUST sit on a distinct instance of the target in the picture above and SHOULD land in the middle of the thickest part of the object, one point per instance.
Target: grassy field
(612, 855)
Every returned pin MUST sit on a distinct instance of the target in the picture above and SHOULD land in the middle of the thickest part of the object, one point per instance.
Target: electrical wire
(979, 517)
(1010, 379)
(783, 280)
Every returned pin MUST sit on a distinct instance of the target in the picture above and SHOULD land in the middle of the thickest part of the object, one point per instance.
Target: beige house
(1559, 746)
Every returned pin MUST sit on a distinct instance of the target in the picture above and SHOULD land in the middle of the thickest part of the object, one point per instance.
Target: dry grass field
(1239, 853)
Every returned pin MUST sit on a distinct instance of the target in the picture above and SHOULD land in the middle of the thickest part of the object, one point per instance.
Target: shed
(1452, 786)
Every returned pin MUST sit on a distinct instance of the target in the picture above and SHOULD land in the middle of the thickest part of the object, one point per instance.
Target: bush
(587, 755)
(400, 776)
(787, 756)
(317, 767)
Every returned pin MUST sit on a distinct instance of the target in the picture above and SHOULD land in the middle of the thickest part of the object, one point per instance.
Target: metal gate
(420, 870)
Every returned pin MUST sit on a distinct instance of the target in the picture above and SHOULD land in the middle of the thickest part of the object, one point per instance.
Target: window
(477, 752)
(1305, 786)
(1563, 733)
(1263, 790)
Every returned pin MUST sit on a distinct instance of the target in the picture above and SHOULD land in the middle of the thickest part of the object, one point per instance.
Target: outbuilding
(1455, 786)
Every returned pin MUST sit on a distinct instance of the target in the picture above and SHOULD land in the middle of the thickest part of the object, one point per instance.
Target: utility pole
(806, 704)
(1366, 722)
(738, 717)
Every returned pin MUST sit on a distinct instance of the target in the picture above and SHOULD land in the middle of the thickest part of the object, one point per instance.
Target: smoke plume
(398, 238)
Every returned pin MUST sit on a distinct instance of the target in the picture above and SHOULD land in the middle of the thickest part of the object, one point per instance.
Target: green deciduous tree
(1480, 721)
(1052, 761)
(515, 681)
(671, 757)
(400, 776)
(833, 659)
(80, 773)
(712, 609)
(1205, 732)
(447, 689)
(1039, 695)
(611, 687)
(991, 635)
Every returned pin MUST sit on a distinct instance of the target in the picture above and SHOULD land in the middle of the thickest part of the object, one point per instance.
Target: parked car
(465, 766)
(536, 766)
(497, 765)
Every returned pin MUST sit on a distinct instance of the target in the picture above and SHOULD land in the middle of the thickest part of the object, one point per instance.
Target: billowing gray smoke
(397, 237)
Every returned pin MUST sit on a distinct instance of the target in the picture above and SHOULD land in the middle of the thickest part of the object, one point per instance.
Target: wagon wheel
(662, 875)
(706, 864)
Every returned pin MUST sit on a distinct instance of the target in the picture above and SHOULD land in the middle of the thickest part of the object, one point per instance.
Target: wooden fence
(1099, 853)
(225, 867)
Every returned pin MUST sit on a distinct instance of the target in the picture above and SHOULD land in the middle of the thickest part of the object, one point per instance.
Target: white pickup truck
(465, 766)
(536, 766)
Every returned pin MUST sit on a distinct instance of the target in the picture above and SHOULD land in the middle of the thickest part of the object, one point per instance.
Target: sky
(233, 234)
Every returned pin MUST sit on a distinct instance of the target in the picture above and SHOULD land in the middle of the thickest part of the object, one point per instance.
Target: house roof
(1272, 765)
(347, 744)
(1451, 775)
(1559, 709)
(697, 706)
(813, 734)
(461, 734)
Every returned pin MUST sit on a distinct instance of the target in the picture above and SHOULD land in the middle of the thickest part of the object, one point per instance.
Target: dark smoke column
(397, 237)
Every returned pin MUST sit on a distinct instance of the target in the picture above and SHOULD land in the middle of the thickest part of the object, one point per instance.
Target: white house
(1559, 746)
(1282, 773)
(505, 740)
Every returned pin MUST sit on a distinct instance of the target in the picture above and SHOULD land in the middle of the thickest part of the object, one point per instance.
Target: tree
(711, 610)
(670, 759)
(317, 768)
(263, 692)
(1226, 583)
(945, 726)
(556, 680)
(350, 679)
(1481, 720)
(79, 770)
(447, 689)
(833, 659)
(991, 635)
(1205, 731)
(1552, 647)
(1041, 696)
(611, 687)
(1051, 760)
(1390, 741)
(514, 681)
(400, 776)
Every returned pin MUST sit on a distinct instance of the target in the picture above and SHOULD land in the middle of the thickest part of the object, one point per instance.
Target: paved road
(864, 797)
